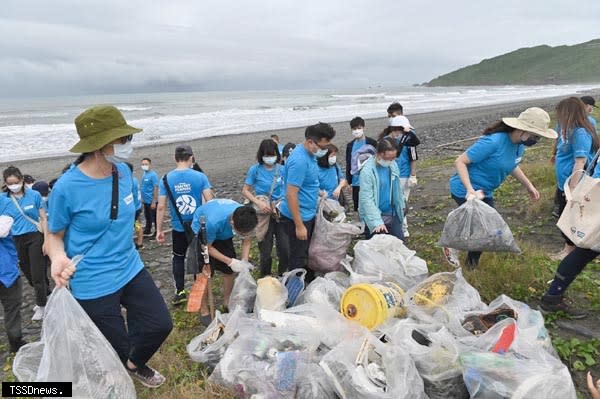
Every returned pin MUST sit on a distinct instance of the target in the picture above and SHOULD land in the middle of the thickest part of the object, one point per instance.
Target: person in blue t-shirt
(149, 195)
(299, 206)
(11, 286)
(381, 203)
(590, 104)
(27, 210)
(91, 214)
(265, 178)
(331, 178)
(225, 218)
(357, 126)
(483, 167)
(576, 145)
(187, 190)
(407, 141)
(568, 269)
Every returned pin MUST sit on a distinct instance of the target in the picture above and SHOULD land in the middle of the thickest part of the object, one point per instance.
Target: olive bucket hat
(98, 126)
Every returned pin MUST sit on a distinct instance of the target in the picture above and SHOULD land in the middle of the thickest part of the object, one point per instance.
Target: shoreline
(226, 158)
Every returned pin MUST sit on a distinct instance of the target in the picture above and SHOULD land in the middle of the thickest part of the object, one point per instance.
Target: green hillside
(579, 63)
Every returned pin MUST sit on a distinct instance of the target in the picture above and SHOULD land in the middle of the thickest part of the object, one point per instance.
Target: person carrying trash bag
(381, 201)
(91, 213)
(482, 168)
(225, 218)
(571, 265)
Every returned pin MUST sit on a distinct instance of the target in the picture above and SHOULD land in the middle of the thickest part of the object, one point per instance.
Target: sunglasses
(125, 139)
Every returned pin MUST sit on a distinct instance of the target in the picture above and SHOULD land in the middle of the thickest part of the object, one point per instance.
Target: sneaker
(558, 256)
(148, 233)
(556, 211)
(451, 256)
(406, 234)
(180, 298)
(147, 376)
(556, 303)
(38, 313)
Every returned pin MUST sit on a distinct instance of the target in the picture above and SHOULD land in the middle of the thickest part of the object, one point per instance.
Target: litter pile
(381, 329)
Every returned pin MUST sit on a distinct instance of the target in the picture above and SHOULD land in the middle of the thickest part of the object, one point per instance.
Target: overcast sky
(80, 46)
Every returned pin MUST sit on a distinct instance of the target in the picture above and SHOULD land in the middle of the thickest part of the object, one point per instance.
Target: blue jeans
(473, 257)
(148, 319)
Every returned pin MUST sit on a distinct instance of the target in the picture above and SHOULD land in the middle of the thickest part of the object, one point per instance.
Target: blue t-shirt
(356, 145)
(30, 203)
(217, 213)
(330, 178)
(137, 196)
(186, 186)
(80, 206)
(385, 194)
(9, 271)
(403, 161)
(149, 181)
(593, 121)
(280, 148)
(577, 145)
(262, 178)
(302, 171)
(596, 173)
(493, 158)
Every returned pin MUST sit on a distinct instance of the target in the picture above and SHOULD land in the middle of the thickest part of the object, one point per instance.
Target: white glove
(239, 265)
(412, 181)
(6, 223)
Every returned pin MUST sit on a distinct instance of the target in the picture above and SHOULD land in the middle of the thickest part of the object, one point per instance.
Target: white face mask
(269, 160)
(122, 152)
(29, 186)
(384, 163)
(332, 160)
(357, 133)
(15, 188)
(146, 167)
(45, 198)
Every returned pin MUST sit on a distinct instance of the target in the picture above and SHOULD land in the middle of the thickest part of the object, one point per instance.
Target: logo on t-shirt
(186, 204)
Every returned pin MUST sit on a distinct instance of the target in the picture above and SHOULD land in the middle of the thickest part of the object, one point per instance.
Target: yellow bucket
(372, 304)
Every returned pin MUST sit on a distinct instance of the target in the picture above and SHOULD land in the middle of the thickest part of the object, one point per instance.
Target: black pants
(473, 257)
(355, 191)
(33, 263)
(12, 299)
(227, 248)
(266, 248)
(148, 319)
(569, 268)
(562, 203)
(150, 217)
(297, 257)
(180, 245)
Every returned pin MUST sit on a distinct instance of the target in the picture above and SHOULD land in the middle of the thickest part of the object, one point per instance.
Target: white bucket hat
(399, 121)
(533, 120)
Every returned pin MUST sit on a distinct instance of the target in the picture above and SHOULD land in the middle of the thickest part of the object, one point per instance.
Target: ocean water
(43, 127)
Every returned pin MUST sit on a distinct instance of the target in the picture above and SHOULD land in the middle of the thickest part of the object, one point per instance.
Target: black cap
(41, 187)
(184, 150)
(589, 100)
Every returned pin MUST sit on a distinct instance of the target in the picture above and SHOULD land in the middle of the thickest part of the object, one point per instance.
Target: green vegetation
(531, 66)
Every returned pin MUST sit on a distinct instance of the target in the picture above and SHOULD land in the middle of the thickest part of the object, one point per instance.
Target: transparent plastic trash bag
(322, 291)
(331, 237)
(243, 293)
(387, 258)
(476, 226)
(73, 349)
(368, 368)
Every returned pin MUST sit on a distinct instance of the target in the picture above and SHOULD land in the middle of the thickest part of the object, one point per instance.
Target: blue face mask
(530, 141)
(320, 153)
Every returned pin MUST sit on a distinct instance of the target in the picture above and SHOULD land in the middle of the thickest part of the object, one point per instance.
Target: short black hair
(28, 179)
(319, 132)
(147, 159)
(386, 144)
(274, 136)
(287, 149)
(183, 153)
(323, 162)
(267, 147)
(357, 122)
(244, 219)
(395, 107)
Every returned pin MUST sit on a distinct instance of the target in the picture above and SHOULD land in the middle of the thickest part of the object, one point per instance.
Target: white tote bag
(580, 221)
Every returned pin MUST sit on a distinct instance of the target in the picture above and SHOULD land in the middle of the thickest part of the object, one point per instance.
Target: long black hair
(267, 147)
